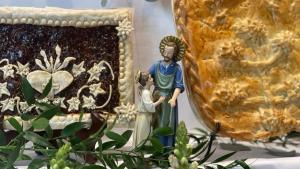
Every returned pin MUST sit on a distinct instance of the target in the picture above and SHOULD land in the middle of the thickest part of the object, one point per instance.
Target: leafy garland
(71, 150)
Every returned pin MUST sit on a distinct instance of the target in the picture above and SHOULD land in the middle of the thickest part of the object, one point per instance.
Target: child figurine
(145, 108)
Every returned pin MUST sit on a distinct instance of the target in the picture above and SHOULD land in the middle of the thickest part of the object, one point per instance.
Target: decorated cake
(86, 53)
(242, 65)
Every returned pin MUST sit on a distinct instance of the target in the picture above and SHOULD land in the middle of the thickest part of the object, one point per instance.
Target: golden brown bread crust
(243, 64)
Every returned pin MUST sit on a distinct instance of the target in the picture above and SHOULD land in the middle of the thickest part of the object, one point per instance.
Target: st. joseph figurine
(168, 82)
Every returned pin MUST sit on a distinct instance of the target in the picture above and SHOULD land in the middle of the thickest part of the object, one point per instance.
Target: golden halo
(180, 44)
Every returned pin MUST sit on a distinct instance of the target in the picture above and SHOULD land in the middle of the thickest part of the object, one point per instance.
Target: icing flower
(74, 103)
(89, 102)
(3, 89)
(8, 104)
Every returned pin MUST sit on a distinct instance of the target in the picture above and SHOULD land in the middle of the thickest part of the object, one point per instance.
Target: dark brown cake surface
(23, 43)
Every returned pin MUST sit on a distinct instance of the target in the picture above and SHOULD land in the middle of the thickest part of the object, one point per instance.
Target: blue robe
(168, 117)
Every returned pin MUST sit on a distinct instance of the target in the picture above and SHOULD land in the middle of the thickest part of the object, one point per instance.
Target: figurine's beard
(167, 59)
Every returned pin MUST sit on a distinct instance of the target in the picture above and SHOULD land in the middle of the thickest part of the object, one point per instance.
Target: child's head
(143, 78)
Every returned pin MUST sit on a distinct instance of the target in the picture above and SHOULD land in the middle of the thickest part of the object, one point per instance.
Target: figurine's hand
(172, 102)
(162, 98)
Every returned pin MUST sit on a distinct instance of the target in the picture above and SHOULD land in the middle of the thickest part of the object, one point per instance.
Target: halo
(137, 76)
(180, 44)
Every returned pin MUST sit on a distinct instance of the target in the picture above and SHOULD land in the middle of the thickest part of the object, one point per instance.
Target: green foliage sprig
(60, 160)
(69, 151)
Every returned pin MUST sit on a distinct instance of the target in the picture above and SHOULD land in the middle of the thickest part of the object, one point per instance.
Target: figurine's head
(172, 48)
(144, 79)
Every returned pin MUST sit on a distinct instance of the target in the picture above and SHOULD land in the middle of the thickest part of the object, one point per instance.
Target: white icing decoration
(15, 21)
(93, 23)
(74, 103)
(8, 104)
(78, 69)
(96, 89)
(3, 89)
(81, 89)
(50, 22)
(23, 70)
(60, 79)
(60, 102)
(8, 71)
(70, 18)
(45, 100)
(107, 101)
(86, 23)
(124, 28)
(126, 112)
(49, 65)
(25, 107)
(100, 23)
(9, 20)
(89, 102)
(30, 21)
(64, 23)
(95, 72)
(23, 20)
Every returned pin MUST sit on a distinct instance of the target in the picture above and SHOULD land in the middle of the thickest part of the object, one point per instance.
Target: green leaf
(75, 140)
(208, 167)
(127, 134)
(122, 166)
(234, 164)
(81, 115)
(116, 137)
(47, 89)
(48, 114)
(220, 167)
(37, 139)
(108, 145)
(94, 167)
(40, 123)
(25, 157)
(128, 162)
(156, 145)
(224, 157)
(100, 153)
(2, 138)
(37, 163)
(13, 155)
(94, 137)
(206, 157)
(163, 131)
(72, 128)
(242, 164)
(199, 147)
(49, 131)
(13, 122)
(109, 161)
(202, 131)
(7, 149)
(28, 91)
(26, 116)
(44, 106)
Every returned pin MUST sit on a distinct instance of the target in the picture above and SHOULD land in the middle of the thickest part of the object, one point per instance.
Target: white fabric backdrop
(152, 21)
